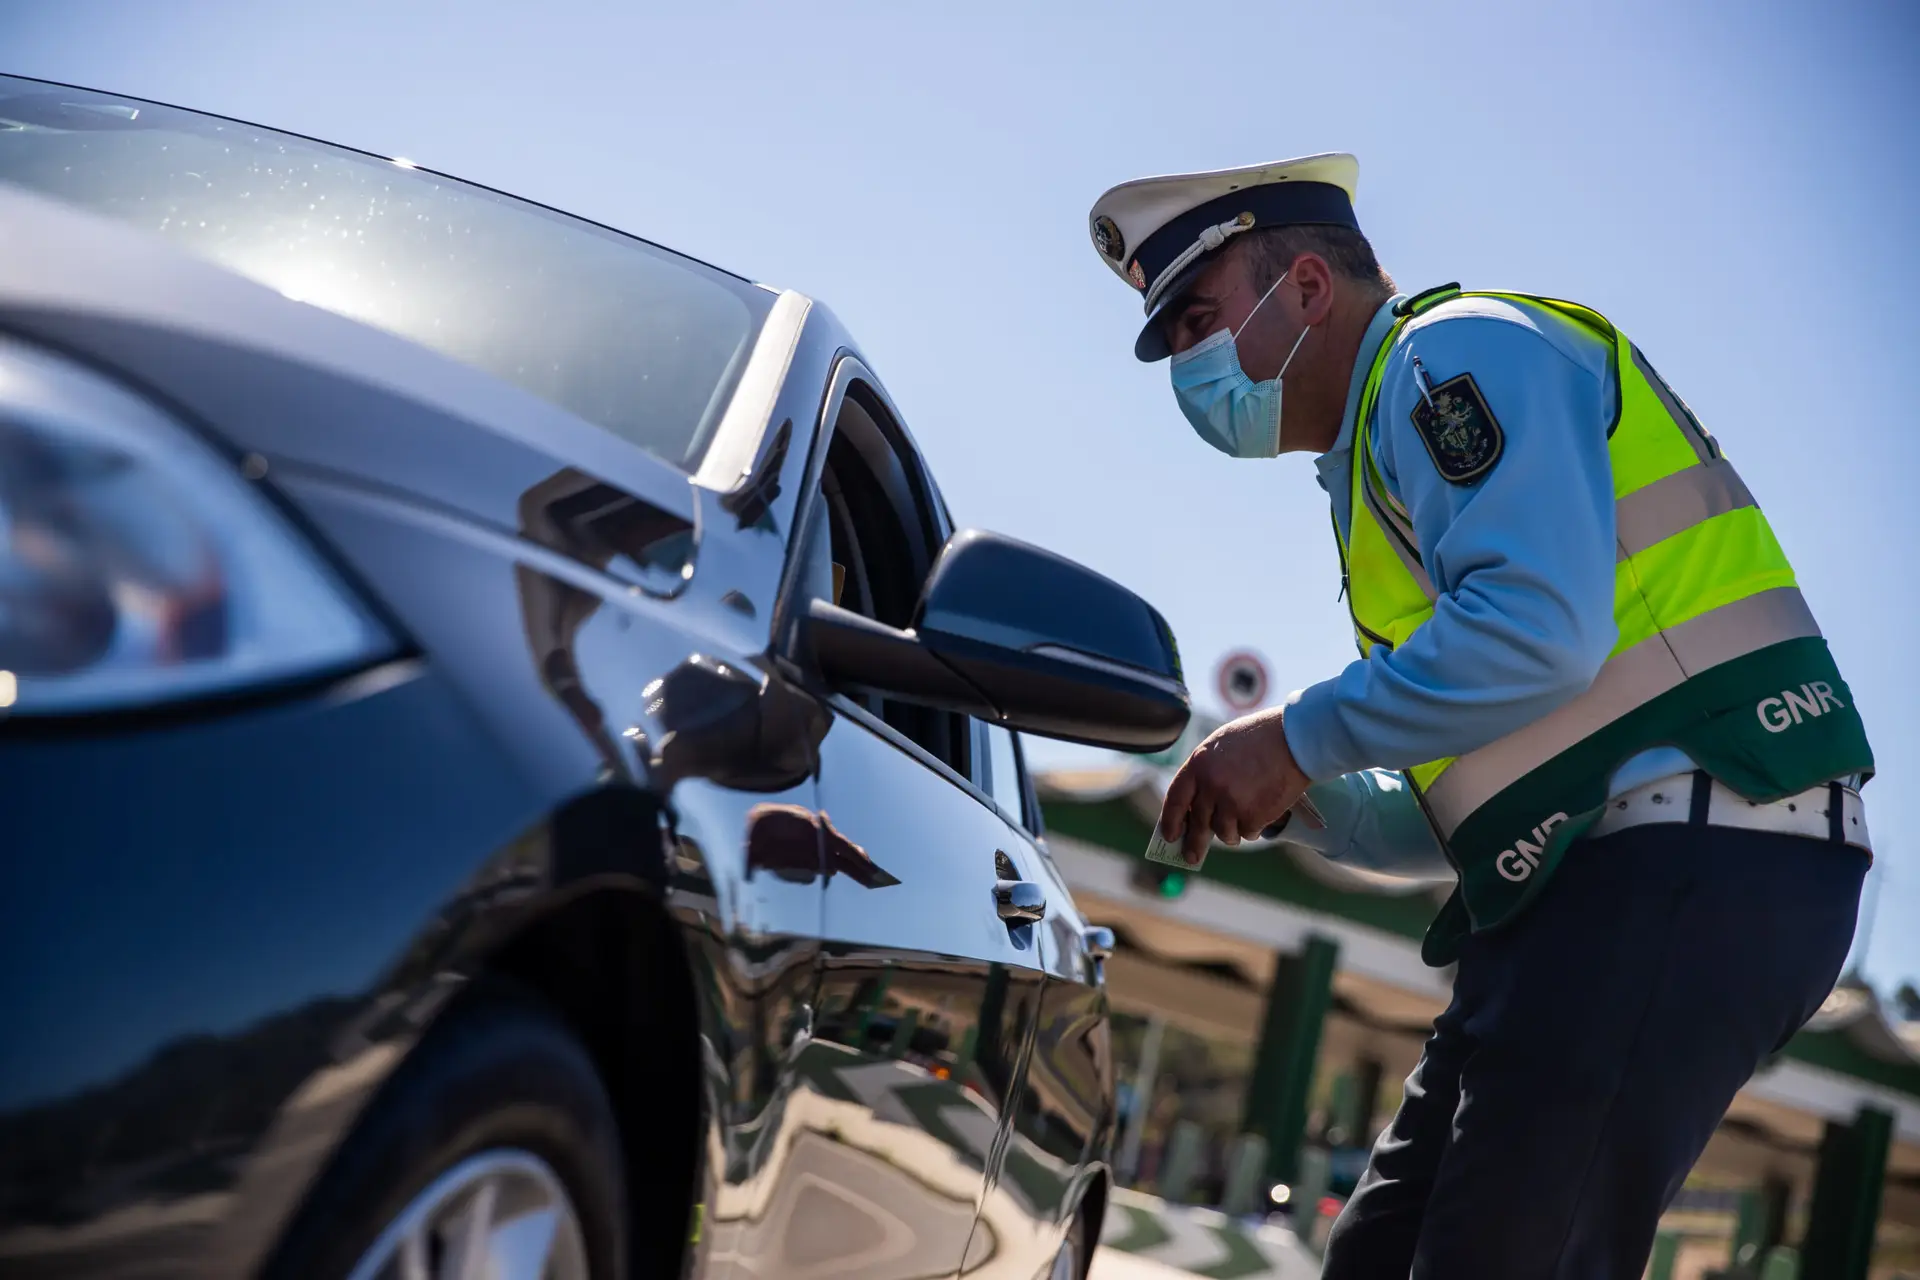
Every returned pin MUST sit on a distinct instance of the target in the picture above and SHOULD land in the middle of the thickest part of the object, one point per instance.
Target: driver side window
(1006, 778)
(868, 555)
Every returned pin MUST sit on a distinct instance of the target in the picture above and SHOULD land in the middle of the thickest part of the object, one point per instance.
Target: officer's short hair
(1272, 250)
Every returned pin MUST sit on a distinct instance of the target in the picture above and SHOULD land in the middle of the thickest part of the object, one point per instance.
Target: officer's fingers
(1199, 833)
(1179, 798)
(1226, 823)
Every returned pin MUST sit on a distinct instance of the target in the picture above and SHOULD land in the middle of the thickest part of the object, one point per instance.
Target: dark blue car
(507, 767)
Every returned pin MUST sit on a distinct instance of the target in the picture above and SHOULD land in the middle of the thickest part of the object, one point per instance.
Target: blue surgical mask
(1229, 410)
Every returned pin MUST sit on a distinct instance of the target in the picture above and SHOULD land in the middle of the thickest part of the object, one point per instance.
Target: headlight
(136, 566)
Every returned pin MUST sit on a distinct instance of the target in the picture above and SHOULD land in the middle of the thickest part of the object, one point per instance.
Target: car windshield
(642, 341)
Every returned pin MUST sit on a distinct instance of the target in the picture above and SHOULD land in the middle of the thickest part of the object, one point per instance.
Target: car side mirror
(1020, 637)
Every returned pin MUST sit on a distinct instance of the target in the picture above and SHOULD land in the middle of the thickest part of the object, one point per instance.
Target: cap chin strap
(1210, 239)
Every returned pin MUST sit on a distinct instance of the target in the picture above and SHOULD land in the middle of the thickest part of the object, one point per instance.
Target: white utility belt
(1827, 812)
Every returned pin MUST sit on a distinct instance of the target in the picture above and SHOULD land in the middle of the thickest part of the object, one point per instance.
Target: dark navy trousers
(1591, 1047)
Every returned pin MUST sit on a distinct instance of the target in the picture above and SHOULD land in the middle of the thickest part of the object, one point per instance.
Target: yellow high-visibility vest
(1718, 653)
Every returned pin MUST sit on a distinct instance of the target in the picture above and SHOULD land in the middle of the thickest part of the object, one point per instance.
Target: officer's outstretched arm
(1373, 823)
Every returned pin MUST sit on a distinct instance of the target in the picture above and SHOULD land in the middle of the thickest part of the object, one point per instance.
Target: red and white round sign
(1241, 679)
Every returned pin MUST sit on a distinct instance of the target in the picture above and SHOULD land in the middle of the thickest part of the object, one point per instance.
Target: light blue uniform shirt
(1522, 564)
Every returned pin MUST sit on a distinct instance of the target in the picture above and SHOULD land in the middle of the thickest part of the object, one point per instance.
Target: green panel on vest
(1716, 718)
(1733, 720)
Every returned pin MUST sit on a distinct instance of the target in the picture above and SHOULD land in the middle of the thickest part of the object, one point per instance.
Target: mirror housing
(1023, 638)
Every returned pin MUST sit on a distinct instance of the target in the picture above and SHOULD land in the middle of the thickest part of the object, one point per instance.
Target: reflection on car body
(801, 845)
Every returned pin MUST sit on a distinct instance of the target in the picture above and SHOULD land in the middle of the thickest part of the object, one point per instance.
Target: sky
(1734, 185)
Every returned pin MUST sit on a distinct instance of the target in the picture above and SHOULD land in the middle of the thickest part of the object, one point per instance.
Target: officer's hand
(1238, 782)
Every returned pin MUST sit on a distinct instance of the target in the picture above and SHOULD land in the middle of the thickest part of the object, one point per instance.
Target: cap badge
(1135, 274)
(1107, 239)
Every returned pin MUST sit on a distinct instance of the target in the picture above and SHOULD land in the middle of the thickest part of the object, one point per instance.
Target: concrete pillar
(1307, 1190)
(1845, 1212)
(1247, 1188)
(1281, 1083)
(1181, 1164)
(1145, 1081)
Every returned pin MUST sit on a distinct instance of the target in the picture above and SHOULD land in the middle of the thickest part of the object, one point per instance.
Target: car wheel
(501, 1214)
(492, 1152)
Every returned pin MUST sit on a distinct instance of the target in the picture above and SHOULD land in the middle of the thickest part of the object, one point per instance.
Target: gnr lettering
(1517, 863)
(1780, 714)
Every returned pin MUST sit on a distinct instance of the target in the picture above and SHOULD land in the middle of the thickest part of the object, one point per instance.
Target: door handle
(1019, 901)
(1098, 941)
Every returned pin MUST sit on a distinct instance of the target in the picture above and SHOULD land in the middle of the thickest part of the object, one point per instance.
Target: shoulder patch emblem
(1460, 432)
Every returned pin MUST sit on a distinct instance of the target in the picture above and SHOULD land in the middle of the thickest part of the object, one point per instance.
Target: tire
(498, 1094)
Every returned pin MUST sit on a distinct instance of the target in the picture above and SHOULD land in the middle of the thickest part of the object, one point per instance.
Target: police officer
(1588, 689)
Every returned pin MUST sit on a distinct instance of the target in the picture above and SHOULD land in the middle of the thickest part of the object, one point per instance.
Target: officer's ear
(1311, 275)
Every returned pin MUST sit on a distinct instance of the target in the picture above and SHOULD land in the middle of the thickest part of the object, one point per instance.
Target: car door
(1062, 1117)
(678, 690)
(683, 697)
(927, 995)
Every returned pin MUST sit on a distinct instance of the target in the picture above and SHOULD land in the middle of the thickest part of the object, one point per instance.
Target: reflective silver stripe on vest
(1644, 518)
(1629, 680)
(1673, 504)
(1688, 426)
(1397, 529)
